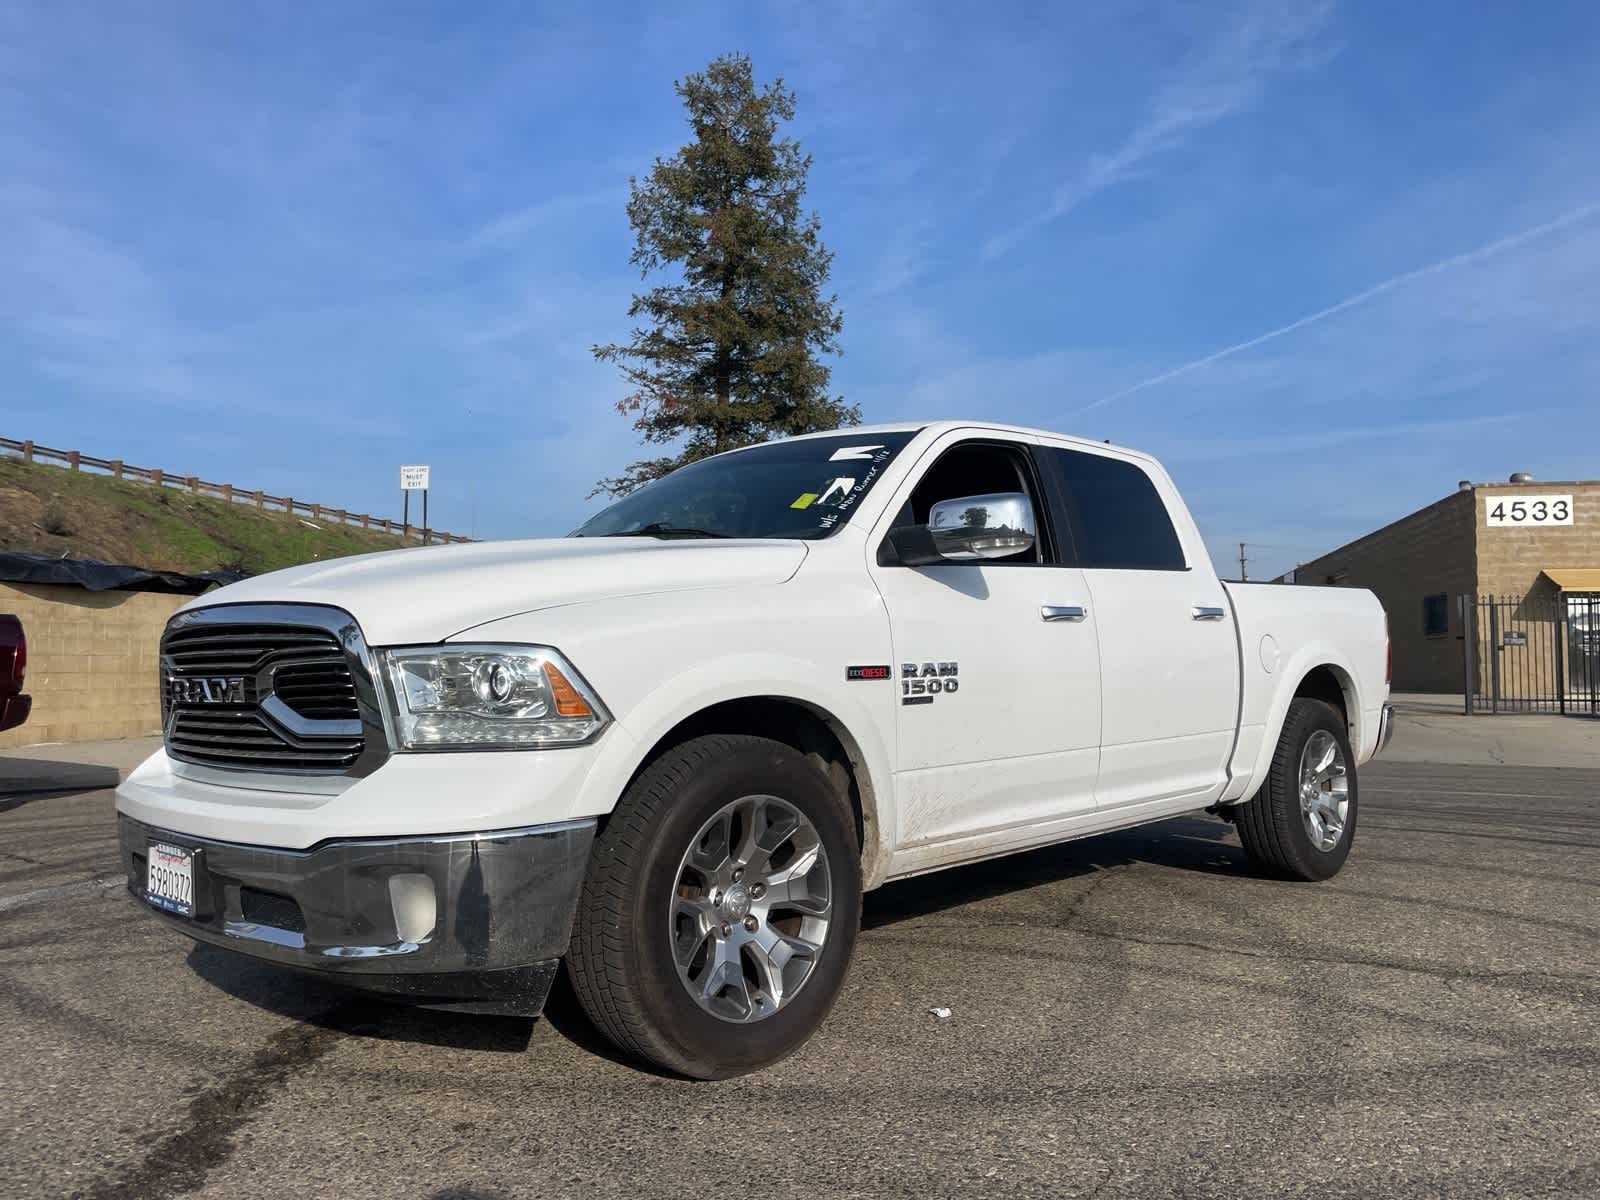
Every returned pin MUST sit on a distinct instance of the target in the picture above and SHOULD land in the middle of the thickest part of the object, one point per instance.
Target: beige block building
(1535, 544)
(92, 661)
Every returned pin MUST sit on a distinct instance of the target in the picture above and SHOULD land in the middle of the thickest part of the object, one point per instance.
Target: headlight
(489, 698)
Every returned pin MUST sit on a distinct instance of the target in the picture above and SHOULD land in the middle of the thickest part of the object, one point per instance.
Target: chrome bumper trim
(1385, 730)
(501, 899)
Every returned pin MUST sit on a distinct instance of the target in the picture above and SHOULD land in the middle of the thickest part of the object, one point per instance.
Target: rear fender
(1253, 754)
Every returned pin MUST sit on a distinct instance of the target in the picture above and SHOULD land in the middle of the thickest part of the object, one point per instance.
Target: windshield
(804, 488)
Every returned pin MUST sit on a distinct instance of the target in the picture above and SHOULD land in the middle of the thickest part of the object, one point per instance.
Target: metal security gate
(1531, 655)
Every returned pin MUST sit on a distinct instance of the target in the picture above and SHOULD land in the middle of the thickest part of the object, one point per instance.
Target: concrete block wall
(1510, 559)
(1449, 547)
(92, 661)
(1429, 552)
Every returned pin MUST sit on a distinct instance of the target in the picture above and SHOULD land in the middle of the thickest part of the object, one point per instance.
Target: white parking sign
(414, 479)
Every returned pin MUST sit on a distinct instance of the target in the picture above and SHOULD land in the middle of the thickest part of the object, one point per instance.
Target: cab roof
(938, 427)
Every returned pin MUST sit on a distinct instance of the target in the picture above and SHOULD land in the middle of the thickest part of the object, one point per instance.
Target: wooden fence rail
(76, 460)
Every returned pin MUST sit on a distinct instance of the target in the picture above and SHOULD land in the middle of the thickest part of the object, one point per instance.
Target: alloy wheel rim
(1324, 790)
(751, 906)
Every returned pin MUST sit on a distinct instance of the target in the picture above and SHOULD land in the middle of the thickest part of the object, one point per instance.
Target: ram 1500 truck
(676, 747)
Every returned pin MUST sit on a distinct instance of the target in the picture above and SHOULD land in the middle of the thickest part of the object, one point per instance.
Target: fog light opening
(416, 911)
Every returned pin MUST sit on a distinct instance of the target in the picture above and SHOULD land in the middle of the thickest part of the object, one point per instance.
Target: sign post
(414, 479)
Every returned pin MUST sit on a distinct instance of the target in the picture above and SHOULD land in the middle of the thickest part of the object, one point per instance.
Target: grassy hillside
(51, 510)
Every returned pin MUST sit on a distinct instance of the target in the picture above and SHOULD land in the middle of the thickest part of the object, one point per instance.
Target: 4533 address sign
(1527, 510)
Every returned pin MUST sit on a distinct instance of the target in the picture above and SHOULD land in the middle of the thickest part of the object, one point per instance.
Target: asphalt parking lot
(1131, 1015)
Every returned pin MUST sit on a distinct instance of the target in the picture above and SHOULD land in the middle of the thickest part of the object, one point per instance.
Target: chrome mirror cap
(977, 527)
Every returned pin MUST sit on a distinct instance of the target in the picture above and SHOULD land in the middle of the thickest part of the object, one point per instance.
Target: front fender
(742, 677)
(656, 662)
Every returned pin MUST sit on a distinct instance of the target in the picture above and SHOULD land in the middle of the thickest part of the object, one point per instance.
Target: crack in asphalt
(61, 891)
(23, 858)
(1102, 877)
(1067, 924)
(1335, 960)
(180, 1162)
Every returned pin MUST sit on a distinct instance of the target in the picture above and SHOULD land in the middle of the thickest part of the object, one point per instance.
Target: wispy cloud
(281, 225)
(1466, 258)
(1211, 449)
(1225, 75)
(516, 226)
(91, 311)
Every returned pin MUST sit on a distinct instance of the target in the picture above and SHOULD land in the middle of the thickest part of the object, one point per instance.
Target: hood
(431, 593)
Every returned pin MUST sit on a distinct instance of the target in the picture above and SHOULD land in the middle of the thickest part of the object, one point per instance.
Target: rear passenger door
(1169, 657)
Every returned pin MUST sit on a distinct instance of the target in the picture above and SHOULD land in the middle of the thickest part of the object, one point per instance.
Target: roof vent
(1521, 477)
(1464, 485)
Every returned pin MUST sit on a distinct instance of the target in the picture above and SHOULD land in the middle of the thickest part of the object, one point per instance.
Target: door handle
(1207, 612)
(1063, 612)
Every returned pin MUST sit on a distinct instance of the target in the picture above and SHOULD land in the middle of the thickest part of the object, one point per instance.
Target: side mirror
(968, 529)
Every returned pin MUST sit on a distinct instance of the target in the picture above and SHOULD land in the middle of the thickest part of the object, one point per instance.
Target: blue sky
(1324, 259)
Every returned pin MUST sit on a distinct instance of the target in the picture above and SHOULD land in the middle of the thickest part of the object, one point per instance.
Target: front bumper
(471, 921)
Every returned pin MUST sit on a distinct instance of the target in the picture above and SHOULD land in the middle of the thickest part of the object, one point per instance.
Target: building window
(1436, 615)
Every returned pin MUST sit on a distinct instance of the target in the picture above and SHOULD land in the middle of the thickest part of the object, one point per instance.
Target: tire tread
(596, 958)
(1268, 823)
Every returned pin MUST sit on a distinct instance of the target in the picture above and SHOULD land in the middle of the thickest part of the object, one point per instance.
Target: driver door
(997, 663)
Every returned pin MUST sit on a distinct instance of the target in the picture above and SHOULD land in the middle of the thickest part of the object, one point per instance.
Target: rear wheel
(721, 908)
(1303, 819)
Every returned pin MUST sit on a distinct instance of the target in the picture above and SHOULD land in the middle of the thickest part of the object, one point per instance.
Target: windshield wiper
(658, 529)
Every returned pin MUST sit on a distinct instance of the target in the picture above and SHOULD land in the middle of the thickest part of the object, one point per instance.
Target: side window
(1436, 615)
(977, 469)
(1119, 519)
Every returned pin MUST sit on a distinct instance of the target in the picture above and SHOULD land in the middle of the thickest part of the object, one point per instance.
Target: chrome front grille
(270, 688)
(227, 649)
(319, 689)
(240, 738)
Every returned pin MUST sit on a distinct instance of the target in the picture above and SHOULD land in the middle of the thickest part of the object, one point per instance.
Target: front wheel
(1302, 821)
(720, 909)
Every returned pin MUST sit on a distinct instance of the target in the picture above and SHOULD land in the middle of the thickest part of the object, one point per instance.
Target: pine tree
(729, 354)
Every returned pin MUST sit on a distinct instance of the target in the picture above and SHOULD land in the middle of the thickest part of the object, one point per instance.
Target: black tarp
(21, 567)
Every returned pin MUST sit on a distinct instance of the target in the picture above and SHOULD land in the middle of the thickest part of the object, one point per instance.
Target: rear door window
(1119, 521)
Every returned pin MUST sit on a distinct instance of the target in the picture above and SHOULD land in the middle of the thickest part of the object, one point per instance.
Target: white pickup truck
(676, 747)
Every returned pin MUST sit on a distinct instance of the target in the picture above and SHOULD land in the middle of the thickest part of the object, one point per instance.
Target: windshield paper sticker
(840, 494)
(844, 486)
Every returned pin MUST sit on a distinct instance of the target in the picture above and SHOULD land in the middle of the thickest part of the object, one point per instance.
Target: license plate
(170, 881)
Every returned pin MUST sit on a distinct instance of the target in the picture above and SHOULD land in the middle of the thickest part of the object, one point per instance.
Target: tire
(1274, 825)
(652, 942)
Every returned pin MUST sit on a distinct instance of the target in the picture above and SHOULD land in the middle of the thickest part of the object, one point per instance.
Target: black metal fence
(1531, 654)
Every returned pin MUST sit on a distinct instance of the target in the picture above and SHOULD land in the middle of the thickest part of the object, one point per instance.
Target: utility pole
(1244, 576)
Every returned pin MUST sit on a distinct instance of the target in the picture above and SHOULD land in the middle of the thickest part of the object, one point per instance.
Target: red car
(14, 706)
